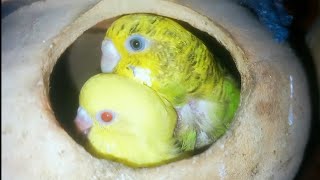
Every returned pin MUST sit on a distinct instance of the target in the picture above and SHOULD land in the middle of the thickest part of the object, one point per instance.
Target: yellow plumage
(179, 63)
(162, 54)
(141, 133)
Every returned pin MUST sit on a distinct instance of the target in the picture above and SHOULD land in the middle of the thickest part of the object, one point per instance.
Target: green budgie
(163, 55)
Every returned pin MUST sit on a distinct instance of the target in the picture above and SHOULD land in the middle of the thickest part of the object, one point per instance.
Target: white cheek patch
(110, 56)
(142, 74)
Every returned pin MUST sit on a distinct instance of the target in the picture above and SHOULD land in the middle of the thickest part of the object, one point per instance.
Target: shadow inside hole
(82, 60)
(63, 94)
(76, 65)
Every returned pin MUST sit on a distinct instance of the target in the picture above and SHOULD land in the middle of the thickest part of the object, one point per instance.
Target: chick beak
(110, 56)
(83, 122)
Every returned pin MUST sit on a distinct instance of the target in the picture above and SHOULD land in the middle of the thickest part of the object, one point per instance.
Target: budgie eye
(136, 43)
(105, 117)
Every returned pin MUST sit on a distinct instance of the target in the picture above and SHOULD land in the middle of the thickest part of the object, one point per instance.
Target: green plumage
(180, 68)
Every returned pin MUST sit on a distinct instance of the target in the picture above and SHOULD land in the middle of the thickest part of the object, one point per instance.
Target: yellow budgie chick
(162, 54)
(126, 121)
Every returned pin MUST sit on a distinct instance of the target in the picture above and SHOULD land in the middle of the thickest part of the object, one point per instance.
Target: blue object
(273, 15)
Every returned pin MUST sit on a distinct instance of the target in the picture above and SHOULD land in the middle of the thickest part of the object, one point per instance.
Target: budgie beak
(83, 121)
(110, 56)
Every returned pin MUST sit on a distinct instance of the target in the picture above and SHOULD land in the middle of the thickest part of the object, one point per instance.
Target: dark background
(305, 13)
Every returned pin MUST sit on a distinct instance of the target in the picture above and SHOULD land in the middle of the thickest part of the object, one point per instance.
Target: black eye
(136, 43)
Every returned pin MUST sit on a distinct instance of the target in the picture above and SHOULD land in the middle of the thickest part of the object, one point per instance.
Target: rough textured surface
(266, 140)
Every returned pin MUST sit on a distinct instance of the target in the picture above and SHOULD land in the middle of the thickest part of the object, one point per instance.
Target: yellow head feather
(141, 132)
(178, 61)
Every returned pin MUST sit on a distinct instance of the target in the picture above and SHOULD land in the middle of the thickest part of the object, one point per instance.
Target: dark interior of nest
(81, 60)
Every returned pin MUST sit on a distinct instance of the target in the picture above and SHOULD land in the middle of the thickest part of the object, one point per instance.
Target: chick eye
(136, 43)
(105, 116)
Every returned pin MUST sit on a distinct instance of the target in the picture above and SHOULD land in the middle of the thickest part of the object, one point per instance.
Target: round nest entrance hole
(81, 60)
